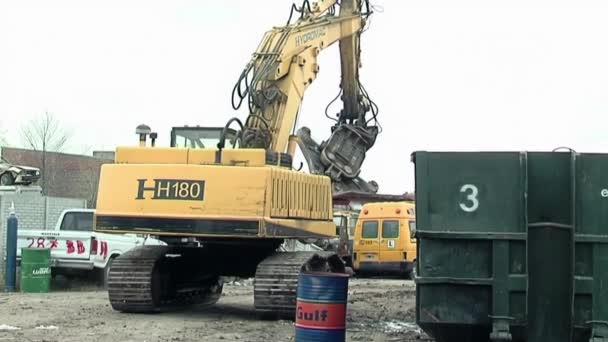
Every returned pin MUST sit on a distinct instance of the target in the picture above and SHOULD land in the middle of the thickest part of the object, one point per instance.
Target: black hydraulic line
(221, 143)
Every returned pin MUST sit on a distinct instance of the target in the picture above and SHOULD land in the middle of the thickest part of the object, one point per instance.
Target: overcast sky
(446, 75)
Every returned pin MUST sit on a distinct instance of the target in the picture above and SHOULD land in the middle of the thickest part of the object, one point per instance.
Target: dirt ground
(378, 310)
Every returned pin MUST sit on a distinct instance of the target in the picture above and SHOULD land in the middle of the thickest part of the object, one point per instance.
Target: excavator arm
(283, 66)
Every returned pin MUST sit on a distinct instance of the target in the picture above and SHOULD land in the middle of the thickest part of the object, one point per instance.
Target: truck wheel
(412, 274)
(7, 179)
(105, 273)
(348, 261)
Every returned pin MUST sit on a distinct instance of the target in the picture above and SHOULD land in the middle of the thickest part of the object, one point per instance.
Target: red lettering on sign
(104, 249)
(40, 243)
(54, 243)
(80, 247)
(320, 315)
(70, 245)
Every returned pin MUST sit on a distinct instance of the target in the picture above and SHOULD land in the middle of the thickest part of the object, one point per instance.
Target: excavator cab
(202, 137)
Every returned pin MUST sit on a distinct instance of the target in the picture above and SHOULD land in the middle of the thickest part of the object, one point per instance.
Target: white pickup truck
(75, 247)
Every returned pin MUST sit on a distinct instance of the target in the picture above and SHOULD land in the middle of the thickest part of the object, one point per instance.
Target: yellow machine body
(192, 192)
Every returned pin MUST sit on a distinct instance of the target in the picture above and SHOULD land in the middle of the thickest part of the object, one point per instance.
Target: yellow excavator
(225, 199)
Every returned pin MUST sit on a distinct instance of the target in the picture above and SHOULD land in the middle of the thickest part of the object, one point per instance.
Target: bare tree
(3, 141)
(85, 149)
(45, 134)
(91, 184)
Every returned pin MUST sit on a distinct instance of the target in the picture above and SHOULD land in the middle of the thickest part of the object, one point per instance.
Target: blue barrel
(321, 307)
(12, 225)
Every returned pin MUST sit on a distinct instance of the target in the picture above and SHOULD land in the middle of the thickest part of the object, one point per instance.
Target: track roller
(160, 278)
(276, 283)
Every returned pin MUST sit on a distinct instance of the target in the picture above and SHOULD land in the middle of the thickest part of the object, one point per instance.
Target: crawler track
(160, 278)
(152, 279)
(276, 283)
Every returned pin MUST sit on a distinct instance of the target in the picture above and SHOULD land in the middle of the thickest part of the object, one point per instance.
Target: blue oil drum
(321, 307)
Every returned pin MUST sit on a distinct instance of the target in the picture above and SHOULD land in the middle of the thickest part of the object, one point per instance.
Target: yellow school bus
(384, 241)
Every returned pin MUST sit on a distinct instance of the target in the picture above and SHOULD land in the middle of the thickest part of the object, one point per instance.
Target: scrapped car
(17, 174)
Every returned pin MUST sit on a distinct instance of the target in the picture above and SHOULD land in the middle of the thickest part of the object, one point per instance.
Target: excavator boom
(284, 66)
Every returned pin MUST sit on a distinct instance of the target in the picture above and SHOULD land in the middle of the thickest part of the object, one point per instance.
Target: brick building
(67, 175)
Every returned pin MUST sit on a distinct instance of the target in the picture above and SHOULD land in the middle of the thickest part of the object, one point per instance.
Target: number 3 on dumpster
(471, 191)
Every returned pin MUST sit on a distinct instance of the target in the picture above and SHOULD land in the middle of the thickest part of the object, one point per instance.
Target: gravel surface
(378, 310)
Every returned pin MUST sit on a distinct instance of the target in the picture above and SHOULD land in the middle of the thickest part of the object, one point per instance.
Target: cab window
(201, 137)
(339, 221)
(77, 221)
(352, 224)
(370, 230)
(390, 229)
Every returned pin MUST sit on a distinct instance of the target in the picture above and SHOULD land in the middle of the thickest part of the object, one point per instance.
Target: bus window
(390, 229)
(412, 230)
(370, 230)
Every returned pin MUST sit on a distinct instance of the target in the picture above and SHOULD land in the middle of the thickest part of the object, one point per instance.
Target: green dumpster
(512, 246)
(35, 270)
